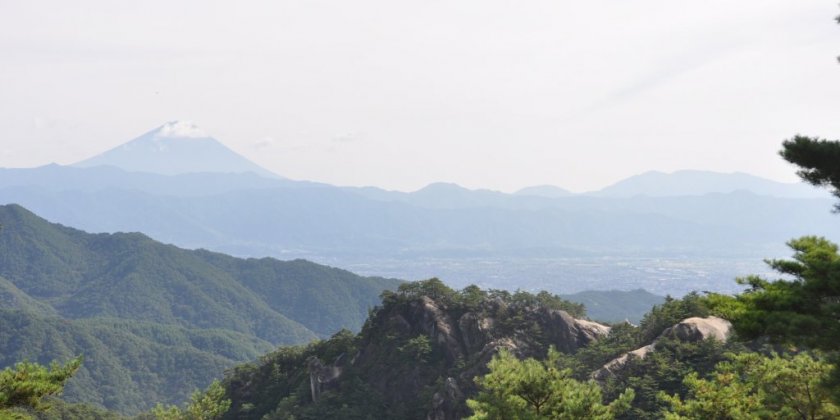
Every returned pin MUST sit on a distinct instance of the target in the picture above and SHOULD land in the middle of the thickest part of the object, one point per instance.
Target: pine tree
(530, 389)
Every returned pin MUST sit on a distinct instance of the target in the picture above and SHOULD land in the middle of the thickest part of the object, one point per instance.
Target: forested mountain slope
(128, 275)
(155, 321)
(128, 365)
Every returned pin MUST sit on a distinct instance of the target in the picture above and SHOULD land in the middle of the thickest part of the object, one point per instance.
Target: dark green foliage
(547, 300)
(818, 161)
(803, 309)
(154, 321)
(753, 386)
(417, 349)
(13, 298)
(663, 370)
(131, 276)
(671, 312)
(391, 371)
(130, 365)
(323, 299)
(537, 390)
(61, 410)
(277, 386)
(471, 297)
(623, 337)
(24, 387)
(208, 405)
(432, 288)
(397, 368)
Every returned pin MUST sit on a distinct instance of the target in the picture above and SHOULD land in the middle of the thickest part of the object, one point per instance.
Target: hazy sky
(398, 94)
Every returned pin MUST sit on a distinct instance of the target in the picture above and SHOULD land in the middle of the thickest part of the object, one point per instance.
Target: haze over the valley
(540, 146)
(667, 233)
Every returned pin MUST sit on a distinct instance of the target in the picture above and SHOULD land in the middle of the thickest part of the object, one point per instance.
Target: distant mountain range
(145, 314)
(682, 183)
(248, 215)
(181, 147)
(649, 184)
(239, 209)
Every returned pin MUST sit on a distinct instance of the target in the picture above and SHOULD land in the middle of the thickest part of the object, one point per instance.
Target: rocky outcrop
(469, 340)
(568, 334)
(463, 342)
(615, 365)
(689, 330)
(479, 333)
(446, 402)
(435, 322)
(322, 376)
(475, 331)
(697, 329)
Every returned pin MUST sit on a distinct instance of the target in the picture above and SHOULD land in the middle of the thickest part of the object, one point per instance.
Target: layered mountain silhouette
(232, 208)
(249, 215)
(177, 147)
(689, 182)
(323, 222)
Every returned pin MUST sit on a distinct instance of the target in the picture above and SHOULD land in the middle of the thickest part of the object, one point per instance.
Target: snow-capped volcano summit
(176, 147)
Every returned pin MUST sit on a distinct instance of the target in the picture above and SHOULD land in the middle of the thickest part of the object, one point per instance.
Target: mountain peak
(442, 186)
(180, 129)
(177, 147)
(689, 182)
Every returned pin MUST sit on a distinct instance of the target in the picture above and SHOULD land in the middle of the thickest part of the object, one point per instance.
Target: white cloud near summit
(181, 129)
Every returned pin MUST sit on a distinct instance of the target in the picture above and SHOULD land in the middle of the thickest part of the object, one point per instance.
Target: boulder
(689, 330)
(697, 329)
(568, 334)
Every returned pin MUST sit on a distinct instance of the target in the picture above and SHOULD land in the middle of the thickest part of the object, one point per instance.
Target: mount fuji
(177, 147)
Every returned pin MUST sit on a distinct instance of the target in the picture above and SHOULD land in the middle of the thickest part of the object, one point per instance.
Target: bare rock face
(467, 341)
(475, 331)
(615, 365)
(436, 323)
(564, 332)
(689, 330)
(486, 354)
(322, 376)
(592, 330)
(445, 403)
(697, 329)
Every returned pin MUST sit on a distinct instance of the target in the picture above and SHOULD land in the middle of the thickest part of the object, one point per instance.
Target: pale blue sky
(398, 94)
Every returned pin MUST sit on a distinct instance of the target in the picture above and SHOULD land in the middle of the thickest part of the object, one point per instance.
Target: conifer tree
(533, 390)
(24, 387)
